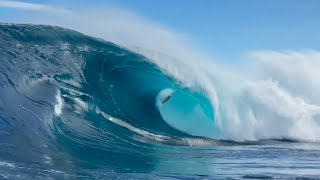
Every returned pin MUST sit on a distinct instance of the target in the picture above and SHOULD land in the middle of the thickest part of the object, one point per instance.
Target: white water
(279, 98)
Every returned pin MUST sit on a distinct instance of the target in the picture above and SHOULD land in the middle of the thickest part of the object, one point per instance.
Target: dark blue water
(74, 107)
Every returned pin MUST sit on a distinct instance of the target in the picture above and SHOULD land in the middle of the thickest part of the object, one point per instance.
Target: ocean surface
(78, 107)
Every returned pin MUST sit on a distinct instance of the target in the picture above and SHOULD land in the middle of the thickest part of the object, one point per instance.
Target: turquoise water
(72, 106)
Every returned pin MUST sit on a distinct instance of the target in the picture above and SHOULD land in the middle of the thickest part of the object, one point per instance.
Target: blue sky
(223, 28)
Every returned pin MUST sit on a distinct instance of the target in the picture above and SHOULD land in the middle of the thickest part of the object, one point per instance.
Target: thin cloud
(31, 6)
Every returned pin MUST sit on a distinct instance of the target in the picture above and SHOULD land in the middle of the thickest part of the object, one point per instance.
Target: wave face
(69, 99)
(64, 90)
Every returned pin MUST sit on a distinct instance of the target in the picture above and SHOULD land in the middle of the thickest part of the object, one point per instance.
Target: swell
(50, 73)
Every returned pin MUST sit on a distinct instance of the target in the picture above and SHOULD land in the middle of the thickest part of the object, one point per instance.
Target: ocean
(78, 107)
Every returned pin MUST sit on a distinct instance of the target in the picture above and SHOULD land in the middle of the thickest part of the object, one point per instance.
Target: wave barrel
(186, 112)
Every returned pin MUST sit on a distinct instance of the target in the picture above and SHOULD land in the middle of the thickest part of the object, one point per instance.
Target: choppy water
(72, 106)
